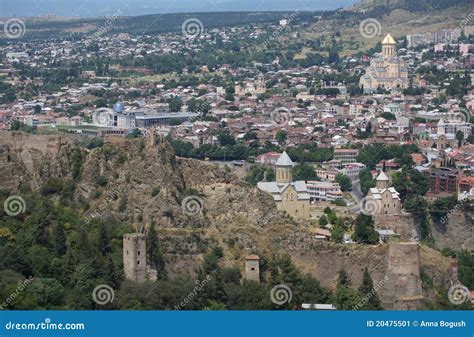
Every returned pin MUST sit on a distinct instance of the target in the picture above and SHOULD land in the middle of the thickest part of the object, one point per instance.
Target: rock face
(455, 230)
(195, 205)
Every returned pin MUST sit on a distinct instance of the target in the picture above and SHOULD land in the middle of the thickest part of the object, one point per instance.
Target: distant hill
(412, 5)
(157, 23)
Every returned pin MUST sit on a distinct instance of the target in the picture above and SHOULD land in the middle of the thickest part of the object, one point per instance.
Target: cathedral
(387, 71)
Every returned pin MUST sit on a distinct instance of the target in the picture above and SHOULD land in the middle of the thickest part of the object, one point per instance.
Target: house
(322, 234)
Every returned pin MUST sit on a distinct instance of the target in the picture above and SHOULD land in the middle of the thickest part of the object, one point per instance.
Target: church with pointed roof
(387, 71)
(442, 140)
(383, 199)
(290, 196)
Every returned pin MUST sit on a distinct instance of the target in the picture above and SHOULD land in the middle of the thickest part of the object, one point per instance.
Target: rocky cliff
(194, 205)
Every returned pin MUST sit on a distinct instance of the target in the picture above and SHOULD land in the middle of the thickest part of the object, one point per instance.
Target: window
(138, 261)
(138, 253)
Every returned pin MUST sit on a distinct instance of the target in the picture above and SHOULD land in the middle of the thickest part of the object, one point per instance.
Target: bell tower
(389, 46)
(283, 169)
(382, 181)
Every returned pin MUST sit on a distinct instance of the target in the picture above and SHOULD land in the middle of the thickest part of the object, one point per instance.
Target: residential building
(346, 155)
(324, 191)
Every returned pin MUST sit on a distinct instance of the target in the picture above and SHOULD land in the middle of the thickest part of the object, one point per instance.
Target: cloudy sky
(91, 8)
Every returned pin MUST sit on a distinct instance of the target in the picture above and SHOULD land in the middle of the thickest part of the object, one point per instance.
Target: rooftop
(389, 39)
(284, 160)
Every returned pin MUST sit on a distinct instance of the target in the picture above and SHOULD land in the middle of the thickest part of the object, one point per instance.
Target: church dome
(119, 107)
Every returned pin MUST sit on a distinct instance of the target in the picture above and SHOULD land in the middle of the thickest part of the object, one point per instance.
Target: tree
(259, 173)
(370, 299)
(59, 240)
(406, 160)
(225, 138)
(415, 204)
(323, 221)
(344, 182)
(175, 103)
(368, 127)
(410, 182)
(104, 240)
(364, 230)
(333, 56)
(460, 137)
(366, 180)
(155, 256)
(304, 172)
(346, 298)
(337, 233)
(425, 229)
(281, 137)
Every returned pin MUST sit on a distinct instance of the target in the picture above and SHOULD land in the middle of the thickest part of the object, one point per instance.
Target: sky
(94, 8)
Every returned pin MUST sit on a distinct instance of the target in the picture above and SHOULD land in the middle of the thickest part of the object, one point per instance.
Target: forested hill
(159, 23)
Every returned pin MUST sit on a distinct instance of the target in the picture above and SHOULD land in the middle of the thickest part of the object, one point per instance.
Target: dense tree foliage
(364, 231)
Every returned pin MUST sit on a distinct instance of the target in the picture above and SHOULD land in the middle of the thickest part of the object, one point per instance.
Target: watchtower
(252, 268)
(134, 257)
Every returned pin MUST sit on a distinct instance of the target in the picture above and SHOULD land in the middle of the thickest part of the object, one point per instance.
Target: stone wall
(403, 288)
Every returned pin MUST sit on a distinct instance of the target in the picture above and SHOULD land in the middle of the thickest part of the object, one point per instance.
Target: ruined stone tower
(403, 289)
(252, 268)
(134, 257)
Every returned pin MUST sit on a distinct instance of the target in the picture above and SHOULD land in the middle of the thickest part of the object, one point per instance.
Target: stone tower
(252, 268)
(382, 181)
(403, 290)
(283, 169)
(134, 257)
(389, 46)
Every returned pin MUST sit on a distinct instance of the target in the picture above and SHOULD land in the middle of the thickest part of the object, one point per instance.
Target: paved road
(357, 195)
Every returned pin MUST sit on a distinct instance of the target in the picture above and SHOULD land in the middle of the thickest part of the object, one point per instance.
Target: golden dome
(389, 40)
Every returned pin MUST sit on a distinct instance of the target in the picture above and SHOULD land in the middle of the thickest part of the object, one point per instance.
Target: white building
(325, 191)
